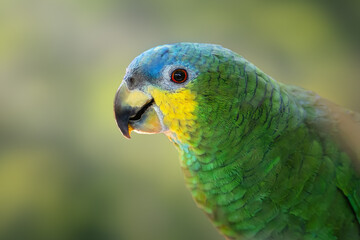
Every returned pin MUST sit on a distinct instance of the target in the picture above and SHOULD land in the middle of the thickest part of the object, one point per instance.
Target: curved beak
(135, 110)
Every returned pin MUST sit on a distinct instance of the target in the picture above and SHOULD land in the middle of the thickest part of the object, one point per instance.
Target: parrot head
(170, 88)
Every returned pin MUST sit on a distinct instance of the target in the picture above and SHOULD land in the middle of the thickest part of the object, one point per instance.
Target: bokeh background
(65, 170)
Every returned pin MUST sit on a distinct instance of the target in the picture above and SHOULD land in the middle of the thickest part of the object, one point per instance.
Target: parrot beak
(135, 110)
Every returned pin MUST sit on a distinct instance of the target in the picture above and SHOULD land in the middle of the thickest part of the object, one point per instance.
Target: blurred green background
(66, 172)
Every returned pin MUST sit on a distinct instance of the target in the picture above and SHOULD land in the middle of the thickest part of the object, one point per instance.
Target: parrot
(262, 159)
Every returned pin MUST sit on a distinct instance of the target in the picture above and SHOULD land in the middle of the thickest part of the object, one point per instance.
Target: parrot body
(263, 160)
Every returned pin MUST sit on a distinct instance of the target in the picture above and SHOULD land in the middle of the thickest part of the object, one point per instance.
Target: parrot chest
(248, 196)
(216, 187)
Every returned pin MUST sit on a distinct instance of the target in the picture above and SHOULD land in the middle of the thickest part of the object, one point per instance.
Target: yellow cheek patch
(178, 110)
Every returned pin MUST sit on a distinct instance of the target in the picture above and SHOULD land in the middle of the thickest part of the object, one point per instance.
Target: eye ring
(179, 75)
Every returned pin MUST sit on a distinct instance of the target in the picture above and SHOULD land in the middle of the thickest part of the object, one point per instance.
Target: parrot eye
(179, 76)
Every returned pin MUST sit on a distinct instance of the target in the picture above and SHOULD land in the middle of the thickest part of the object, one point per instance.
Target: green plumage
(266, 160)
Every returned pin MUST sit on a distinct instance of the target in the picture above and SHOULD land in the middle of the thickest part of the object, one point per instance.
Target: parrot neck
(231, 145)
(238, 127)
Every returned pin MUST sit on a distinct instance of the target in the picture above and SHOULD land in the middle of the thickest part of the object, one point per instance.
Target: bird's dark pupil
(179, 76)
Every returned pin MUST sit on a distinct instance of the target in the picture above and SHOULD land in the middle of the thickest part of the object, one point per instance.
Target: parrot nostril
(131, 82)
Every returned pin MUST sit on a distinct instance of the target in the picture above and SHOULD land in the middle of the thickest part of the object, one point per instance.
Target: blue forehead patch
(157, 62)
(152, 61)
(189, 55)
